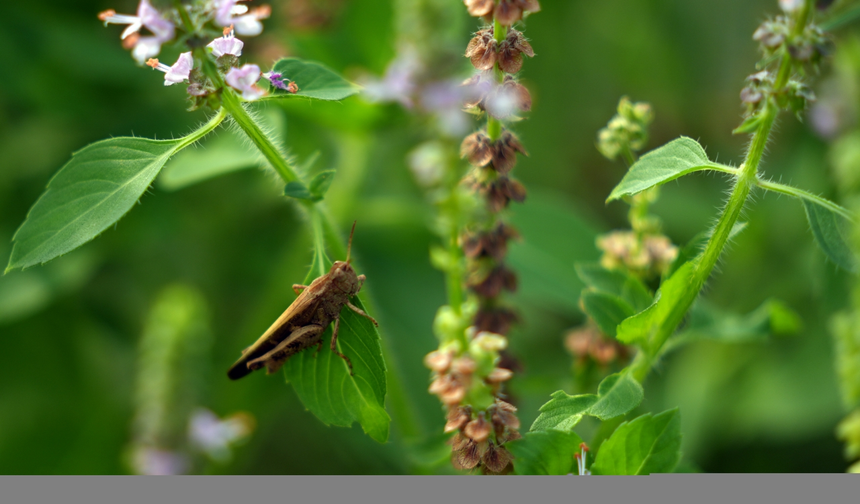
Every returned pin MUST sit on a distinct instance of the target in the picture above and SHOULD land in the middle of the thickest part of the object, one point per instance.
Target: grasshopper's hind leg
(275, 358)
(334, 344)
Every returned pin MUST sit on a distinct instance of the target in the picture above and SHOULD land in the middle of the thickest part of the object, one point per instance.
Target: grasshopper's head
(343, 277)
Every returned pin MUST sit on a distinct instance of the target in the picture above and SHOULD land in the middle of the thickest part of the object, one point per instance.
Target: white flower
(245, 80)
(228, 44)
(245, 21)
(143, 47)
(176, 73)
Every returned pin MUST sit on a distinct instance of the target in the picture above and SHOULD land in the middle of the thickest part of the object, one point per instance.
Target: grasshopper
(302, 324)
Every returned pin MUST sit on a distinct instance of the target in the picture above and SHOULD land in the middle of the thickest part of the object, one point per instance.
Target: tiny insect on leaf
(302, 325)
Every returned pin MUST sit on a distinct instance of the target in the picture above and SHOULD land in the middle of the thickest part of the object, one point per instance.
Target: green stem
(746, 178)
(272, 154)
(494, 126)
(204, 130)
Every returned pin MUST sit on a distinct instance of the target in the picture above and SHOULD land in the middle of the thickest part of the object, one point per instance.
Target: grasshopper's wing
(303, 307)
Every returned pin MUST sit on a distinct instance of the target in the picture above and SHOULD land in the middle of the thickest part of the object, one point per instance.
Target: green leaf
(91, 192)
(320, 184)
(322, 380)
(617, 394)
(548, 452)
(827, 221)
(298, 190)
(709, 322)
(617, 283)
(607, 310)
(313, 79)
(675, 159)
(649, 444)
(640, 327)
(827, 228)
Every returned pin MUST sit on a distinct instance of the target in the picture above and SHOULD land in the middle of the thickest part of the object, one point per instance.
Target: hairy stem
(494, 126)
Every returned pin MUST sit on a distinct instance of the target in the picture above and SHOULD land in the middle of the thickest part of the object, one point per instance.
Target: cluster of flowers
(228, 14)
(468, 384)
(776, 37)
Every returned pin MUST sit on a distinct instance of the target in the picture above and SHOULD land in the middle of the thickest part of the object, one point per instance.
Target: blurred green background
(70, 330)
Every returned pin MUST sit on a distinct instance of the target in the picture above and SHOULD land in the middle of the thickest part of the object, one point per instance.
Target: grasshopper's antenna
(349, 247)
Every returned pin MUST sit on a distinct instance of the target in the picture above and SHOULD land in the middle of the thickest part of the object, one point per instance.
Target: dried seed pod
(478, 429)
(458, 442)
(508, 12)
(499, 375)
(479, 8)
(489, 243)
(458, 416)
(464, 366)
(497, 279)
(511, 49)
(496, 459)
(493, 319)
(501, 191)
(477, 149)
(438, 361)
(506, 418)
(483, 50)
(504, 152)
(509, 97)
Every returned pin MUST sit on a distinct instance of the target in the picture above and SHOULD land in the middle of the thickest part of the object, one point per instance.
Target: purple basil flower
(228, 44)
(143, 47)
(245, 80)
(245, 21)
(176, 73)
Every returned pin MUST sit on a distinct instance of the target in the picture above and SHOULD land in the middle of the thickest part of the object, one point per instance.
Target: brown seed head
(478, 429)
(479, 8)
(499, 375)
(497, 459)
(464, 366)
(457, 417)
(482, 50)
(477, 149)
(497, 279)
(495, 319)
(438, 361)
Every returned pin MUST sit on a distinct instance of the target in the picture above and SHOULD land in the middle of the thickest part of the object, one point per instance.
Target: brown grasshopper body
(301, 326)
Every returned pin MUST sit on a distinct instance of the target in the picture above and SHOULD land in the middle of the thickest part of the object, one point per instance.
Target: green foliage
(322, 380)
(313, 79)
(91, 192)
(827, 228)
(828, 221)
(669, 162)
(611, 296)
(649, 444)
(640, 327)
(607, 310)
(546, 452)
(617, 283)
(617, 394)
(709, 322)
